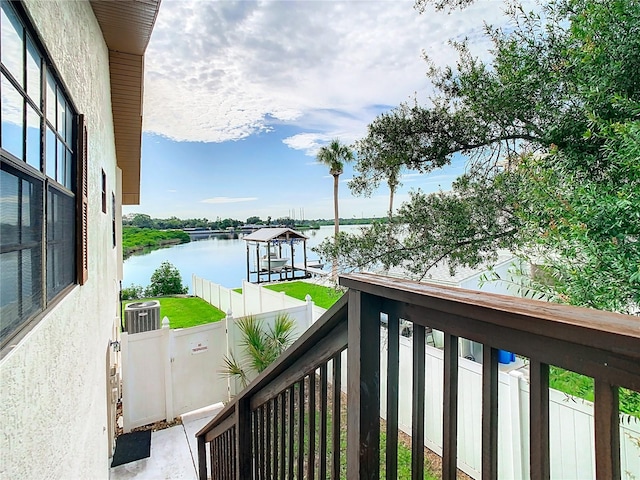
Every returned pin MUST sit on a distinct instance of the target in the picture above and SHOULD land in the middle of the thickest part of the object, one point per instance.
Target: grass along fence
(184, 312)
(253, 299)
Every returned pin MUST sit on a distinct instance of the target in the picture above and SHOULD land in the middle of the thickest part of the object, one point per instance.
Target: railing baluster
(276, 436)
(393, 369)
(291, 422)
(226, 451)
(234, 451)
(323, 421)
(607, 430)
(215, 457)
(222, 455)
(226, 455)
(242, 440)
(202, 458)
(254, 442)
(312, 425)
(363, 378)
(489, 413)
(283, 448)
(539, 415)
(268, 457)
(337, 412)
(301, 414)
(450, 408)
(417, 404)
(263, 436)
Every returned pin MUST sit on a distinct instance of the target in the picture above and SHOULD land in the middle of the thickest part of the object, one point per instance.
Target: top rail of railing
(593, 342)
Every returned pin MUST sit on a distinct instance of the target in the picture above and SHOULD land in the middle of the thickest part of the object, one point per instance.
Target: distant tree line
(141, 220)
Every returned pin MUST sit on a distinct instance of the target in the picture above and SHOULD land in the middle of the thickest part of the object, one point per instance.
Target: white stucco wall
(53, 384)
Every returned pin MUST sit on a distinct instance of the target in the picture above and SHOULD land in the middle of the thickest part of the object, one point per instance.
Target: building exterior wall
(53, 384)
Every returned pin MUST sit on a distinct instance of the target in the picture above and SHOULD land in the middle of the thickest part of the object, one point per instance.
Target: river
(220, 260)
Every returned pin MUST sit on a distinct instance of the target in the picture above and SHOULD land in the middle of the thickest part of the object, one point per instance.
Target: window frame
(71, 140)
(104, 192)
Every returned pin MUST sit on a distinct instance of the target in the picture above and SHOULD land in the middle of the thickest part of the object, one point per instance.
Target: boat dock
(314, 268)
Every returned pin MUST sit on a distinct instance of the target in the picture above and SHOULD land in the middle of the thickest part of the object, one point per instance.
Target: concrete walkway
(174, 451)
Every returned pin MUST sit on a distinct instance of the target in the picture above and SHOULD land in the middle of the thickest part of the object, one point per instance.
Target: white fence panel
(237, 303)
(143, 379)
(197, 286)
(469, 416)
(571, 420)
(197, 378)
(630, 447)
(572, 437)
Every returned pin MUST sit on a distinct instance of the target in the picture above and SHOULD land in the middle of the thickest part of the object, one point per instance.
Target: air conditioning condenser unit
(142, 316)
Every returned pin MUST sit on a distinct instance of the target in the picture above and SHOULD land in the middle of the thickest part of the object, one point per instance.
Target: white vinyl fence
(153, 360)
(254, 299)
(571, 420)
(167, 372)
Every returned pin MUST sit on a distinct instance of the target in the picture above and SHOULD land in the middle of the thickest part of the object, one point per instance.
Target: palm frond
(233, 369)
(281, 334)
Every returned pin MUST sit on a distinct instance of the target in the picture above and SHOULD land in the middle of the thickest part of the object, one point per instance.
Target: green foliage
(133, 292)
(134, 238)
(551, 128)
(379, 158)
(323, 297)
(262, 346)
(334, 156)
(141, 220)
(166, 280)
(582, 387)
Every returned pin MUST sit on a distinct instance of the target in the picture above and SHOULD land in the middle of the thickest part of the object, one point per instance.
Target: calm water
(222, 261)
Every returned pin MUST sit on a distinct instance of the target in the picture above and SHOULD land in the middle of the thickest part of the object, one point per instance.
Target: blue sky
(239, 96)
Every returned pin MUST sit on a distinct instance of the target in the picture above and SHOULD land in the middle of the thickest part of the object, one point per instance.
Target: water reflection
(221, 260)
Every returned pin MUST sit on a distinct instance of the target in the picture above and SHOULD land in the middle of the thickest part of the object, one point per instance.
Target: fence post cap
(307, 298)
(165, 322)
(229, 313)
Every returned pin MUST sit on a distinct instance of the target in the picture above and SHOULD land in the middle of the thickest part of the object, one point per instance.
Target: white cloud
(220, 200)
(224, 70)
(309, 142)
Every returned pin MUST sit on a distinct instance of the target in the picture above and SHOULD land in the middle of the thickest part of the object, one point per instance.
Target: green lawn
(582, 387)
(323, 297)
(186, 312)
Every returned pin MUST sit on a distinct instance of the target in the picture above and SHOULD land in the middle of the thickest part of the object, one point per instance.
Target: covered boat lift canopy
(271, 238)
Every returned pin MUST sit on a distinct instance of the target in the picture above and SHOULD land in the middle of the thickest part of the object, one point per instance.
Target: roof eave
(126, 27)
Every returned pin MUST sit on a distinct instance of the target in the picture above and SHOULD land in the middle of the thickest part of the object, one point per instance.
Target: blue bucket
(506, 357)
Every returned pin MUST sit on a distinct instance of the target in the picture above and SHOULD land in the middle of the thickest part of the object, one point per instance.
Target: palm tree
(261, 346)
(334, 156)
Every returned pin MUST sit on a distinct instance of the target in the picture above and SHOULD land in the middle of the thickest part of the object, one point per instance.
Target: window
(39, 180)
(104, 192)
(113, 219)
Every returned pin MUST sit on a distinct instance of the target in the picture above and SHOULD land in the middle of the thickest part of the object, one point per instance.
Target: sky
(240, 95)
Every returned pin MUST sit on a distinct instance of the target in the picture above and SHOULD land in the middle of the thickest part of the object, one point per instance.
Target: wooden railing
(268, 431)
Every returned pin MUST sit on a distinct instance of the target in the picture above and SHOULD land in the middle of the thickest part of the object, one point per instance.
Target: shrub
(166, 280)
(133, 292)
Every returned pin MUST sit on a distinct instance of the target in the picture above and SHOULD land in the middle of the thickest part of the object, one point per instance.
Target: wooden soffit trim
(126, 27)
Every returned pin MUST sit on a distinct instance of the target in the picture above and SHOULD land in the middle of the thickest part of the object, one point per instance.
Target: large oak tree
(551, 128)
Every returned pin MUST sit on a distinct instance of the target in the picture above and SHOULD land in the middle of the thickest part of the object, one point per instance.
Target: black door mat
(131, 447)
